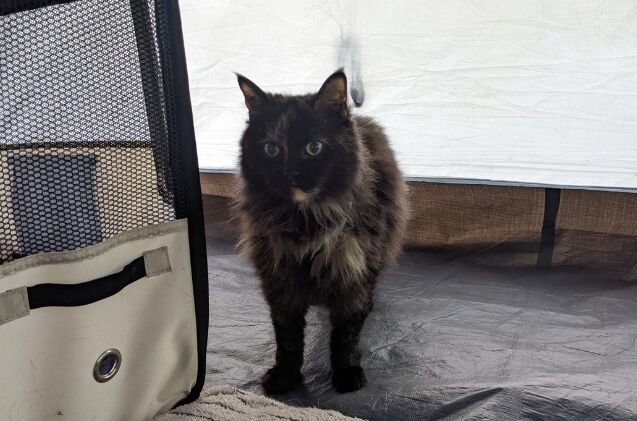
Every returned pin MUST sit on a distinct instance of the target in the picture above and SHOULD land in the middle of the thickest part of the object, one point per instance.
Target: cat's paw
(348, 379)
(279, 380)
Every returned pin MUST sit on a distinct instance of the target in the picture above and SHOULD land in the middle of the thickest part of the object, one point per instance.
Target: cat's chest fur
(333, 254)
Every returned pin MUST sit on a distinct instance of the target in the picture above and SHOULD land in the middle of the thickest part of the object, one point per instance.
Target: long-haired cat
(322, 215)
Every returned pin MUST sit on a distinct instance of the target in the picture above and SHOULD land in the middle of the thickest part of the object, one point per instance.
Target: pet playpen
(103, 279)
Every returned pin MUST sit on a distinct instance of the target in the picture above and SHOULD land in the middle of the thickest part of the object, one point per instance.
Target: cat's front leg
(347, 323)
(289, 324)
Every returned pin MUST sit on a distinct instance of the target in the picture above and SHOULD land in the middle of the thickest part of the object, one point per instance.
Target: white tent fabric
(510, 91)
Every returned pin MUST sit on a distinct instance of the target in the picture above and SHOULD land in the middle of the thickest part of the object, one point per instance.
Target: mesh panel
(87, 144)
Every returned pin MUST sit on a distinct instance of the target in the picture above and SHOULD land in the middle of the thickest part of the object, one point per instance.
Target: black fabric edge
(547, 243)
(8, 7)
(193, 209)
(147, 54)
(75, 295)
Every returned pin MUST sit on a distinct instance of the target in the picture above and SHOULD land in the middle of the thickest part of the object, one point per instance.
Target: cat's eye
(314, 148)
(271, 149)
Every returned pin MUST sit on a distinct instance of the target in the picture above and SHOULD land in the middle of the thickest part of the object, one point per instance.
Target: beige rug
(227, 403)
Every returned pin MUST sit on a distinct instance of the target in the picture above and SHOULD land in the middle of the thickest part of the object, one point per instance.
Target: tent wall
(518, 226)
(526, 92)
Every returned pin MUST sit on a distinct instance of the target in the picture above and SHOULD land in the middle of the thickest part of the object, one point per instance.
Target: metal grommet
(107, 365)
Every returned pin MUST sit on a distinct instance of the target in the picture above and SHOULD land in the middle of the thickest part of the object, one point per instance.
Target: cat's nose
(291, 174)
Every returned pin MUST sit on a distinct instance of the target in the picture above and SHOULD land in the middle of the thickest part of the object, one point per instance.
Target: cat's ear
(333, 93)
(254, 97)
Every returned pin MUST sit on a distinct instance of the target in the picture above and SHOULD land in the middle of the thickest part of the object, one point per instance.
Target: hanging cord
(349, 53)
(349, 61)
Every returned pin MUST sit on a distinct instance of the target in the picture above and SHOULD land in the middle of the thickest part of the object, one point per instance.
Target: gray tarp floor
(448, 339)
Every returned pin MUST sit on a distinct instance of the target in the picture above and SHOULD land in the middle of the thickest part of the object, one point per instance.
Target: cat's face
(301, 149)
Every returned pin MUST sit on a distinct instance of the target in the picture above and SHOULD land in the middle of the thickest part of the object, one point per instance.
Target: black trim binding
(551, 207)
(193, 208)
(8, 7)
(152, 87)
(75, 295)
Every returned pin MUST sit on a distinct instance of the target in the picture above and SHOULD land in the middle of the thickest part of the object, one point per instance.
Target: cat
(322, 213)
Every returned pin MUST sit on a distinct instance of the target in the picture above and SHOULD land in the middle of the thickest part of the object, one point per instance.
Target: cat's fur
(319, 229)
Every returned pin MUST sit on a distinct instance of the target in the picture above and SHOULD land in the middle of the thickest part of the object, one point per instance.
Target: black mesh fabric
(88, 147)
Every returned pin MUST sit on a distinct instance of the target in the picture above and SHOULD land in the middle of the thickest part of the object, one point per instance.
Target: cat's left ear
(254, 97)
(333, 93)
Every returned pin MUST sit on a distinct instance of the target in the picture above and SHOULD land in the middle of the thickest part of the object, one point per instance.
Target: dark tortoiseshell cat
(322, 215)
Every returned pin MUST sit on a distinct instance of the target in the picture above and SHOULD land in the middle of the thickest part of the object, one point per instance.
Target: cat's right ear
(254, 97)
(333, 94)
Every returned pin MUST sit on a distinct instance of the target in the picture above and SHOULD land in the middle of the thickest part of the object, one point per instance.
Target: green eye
(314, 148)
(271, 149)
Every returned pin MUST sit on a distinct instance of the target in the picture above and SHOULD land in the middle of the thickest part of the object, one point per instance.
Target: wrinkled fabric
(449, 339)
(504, 91)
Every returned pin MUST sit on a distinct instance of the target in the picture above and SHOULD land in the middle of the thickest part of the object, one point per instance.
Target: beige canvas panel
(597, 229)
(598, 211)
(443, 215)
(48, 356)
(219, 184)
(593, 228)
(463, 215)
